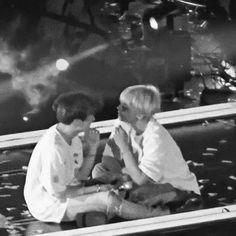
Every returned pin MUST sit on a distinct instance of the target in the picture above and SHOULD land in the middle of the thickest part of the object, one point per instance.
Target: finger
(117, 132)
(94, 131)
(121, 128)
(116, 129)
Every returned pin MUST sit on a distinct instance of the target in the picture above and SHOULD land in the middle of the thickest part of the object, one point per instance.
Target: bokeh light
(62, 64)
(153, 23)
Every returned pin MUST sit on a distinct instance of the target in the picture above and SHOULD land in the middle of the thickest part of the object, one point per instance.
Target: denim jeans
(86, 203)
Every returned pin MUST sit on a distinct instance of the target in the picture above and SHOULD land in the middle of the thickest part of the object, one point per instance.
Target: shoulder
(153, 127)
(156, 131)
(51, 141)
(52, 137)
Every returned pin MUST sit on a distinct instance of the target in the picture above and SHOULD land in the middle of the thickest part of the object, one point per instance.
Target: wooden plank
(155, 223)
(170, 117)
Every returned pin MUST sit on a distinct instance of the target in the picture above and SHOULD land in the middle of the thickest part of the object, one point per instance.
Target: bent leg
(111, 204)
(107, 172)
(86, 203)
(130, 210)
(165, 194)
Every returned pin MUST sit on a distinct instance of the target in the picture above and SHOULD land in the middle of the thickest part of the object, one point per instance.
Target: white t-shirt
(158, 156)
(51, 168)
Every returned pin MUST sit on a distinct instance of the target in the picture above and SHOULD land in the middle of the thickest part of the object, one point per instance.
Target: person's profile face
(87, 122)
(126, 113)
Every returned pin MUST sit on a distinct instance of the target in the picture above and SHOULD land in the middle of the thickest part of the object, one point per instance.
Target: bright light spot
(62, 64)
(30, 114)
(25, 118)
(229, 69)
(153, 23)
(225, 64)
(231, 72)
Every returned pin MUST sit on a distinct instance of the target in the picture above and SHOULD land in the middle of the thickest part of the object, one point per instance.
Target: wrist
(91, 154)
(125, 151)
(92, 151)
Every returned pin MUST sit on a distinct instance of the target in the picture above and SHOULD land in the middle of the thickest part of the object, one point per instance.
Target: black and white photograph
(118, 117)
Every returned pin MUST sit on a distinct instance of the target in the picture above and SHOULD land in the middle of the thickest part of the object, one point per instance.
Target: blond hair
(145, 99)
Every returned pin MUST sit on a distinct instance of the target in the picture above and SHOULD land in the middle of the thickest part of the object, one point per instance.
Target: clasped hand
(92, 137)
(121, 139)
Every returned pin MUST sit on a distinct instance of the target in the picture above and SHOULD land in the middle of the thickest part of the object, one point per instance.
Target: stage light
(228, 69)
(62, 64)
(25, 118)
(28, 116)
(153, 23)
(157, 17)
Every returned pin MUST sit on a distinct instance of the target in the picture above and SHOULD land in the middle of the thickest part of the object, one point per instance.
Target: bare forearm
(73, 191)
(85, 170)
(132, 168)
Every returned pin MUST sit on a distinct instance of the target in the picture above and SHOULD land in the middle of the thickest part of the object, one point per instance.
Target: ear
(78, 122)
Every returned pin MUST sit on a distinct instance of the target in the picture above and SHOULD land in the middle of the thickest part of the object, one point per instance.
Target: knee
(98, 170)
(114, 203)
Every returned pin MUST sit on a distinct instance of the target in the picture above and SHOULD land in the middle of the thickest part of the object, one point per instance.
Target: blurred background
(186, 48)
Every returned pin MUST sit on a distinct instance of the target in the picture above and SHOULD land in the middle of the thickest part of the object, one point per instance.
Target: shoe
(92, 218)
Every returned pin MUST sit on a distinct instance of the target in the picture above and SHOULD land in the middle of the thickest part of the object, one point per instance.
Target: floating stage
(207, 138)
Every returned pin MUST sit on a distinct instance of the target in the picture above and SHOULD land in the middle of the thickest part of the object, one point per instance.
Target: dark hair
(75, 105)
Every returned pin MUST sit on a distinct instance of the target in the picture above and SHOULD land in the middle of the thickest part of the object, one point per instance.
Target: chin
(120, 118)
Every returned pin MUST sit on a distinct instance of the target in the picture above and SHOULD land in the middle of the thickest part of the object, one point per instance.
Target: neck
(67, 132)
(140, 126)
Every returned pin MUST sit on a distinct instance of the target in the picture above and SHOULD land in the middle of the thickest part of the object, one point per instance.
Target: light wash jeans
(86, 203)
(111, 204)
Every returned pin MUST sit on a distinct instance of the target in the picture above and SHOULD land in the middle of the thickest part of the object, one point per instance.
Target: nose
(92, 118)
(119, 107)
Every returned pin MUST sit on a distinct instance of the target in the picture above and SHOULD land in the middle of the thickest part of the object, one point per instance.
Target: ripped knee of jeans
(114, 204)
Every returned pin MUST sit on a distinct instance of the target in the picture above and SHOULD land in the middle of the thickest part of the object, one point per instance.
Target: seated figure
(142, 149)
(54, 189)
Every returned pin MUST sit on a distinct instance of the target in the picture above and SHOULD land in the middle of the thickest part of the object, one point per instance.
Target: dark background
(35, 33)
